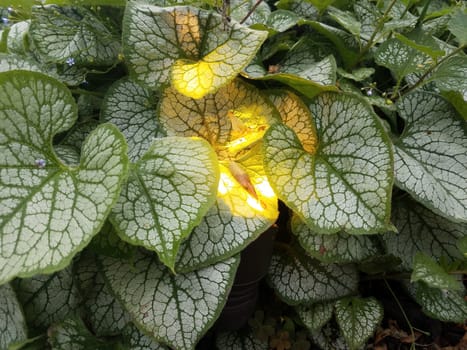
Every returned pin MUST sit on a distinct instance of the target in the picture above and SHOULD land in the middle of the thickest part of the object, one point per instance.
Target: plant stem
(431, 69)
(251, 11)
(412, 346)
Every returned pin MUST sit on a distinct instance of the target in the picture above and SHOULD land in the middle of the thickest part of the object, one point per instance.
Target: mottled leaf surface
(48, 298)
(174, 309)
(298, 279)
(167, 193)
(357, 319)
(431, 155)
(60, 33)
(442, 304)
(137, 340)
(315, 316)
(336, 248)
(420, 230)
(132, 108)
(49, 211)
(346, 183)
(12, 324)
(427, 270)
(239, 341)
(194, 49)
(451, 75)
(240, 8)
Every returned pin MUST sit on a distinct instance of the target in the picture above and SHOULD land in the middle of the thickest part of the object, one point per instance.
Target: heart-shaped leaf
(72, 35)
(345, 184)
(431, 155)
(451, 75)
(420, 230)
(48, 298)
(428, 271)
(50, 211)
(442, 304)
(174, 309)
(299, 279)
(357, 319)
(137, 340)
(195, 49)
(132, 108)
(336, 248)
(315, 316)
(167, 193)
(240, 341)
(12, 324)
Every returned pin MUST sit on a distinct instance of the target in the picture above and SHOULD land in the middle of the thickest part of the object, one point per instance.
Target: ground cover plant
(145, 144)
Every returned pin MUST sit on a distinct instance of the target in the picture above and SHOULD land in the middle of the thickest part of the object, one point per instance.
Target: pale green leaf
(167, 193)
(108, 243)
(282, 20)
(321, 5)
(441, 304)
(132, 108)
(72, 334)
(336, 248)
(63, 33)
(68, 154)
(195, 49)
(137, 340)
(418, 40)
(69, 75)
(50, 211)
(12, 324)
(240, 8)
(400, 58)
(17, 41)
(48, 298)
(359, 74)
(427, 270)
(346, 183)
(78, 133)
(239, 341)
(420, 230)
(451, 75)
(457, 100)
(346, 19)
(299, 279)
(315, 316)
(174, 309)
(431, 155)
(462, 244)
(357, 319)
(236, 219)
(301, 8)
(301, 70)
(87, 2)
(103, 312)
(457, 24)
(329, 338)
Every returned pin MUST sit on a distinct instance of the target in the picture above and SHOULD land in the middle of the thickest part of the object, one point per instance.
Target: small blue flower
(5, 20)
(41, 163)
(10, 9)
(70, 61)
(369, 92)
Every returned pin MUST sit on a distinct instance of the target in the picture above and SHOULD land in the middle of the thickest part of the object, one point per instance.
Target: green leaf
(17, 41)
(357, 319)
(359, 74)
(103, 313)
(73, 334)
(346, 19)
(301, 8)
(137, 340)
(174, 309)
(236, 219)
(423, 43)
(462, 244)
(48, 298)
(451, 75)
(331, 189)
(301, 70)
(329, 337)
(50, 211)
(299, 279)
(195, 49)
(63, 33)
(457, 24)
(132, 109)
(240, 8)
(315, 316)
(420, 230)
(427, 270)
(400, 58)
(282, 20)
(108, 243)
(12, 325)
(431, 155)
(321, 5)
(441, 304)
(457, 100)
(167, 193)
(336, 248)
(240, 341)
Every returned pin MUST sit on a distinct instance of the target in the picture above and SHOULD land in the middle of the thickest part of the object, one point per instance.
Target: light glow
(255, 204)
(265, 188)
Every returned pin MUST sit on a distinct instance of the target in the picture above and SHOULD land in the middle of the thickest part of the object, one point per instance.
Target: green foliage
(145, 144)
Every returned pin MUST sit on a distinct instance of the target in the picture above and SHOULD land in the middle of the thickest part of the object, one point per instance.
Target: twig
(251, 11)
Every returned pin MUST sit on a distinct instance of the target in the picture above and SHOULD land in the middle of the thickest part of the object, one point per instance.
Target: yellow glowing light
(255, 204)
(192, 79)
(265, 188)
(226, 183)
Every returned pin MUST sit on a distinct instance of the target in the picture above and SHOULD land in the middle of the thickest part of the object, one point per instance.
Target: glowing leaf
(346, 185)
(12, 325)
(195, 49)
(173, 309)
(49, 211)
(167, 193)
(431, 155)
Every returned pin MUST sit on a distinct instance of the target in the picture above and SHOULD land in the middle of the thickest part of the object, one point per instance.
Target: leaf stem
(412, 346)
(255, 6)
(431, 69)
